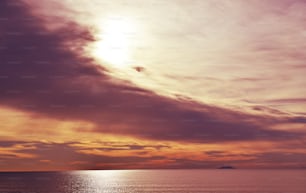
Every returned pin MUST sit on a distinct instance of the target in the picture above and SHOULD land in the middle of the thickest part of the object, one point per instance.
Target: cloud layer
(45, 72)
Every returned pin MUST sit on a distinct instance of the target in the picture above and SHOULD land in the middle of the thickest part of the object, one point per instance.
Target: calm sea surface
(151, 181)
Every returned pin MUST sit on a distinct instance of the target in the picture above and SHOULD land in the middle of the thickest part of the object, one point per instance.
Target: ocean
(153, 181)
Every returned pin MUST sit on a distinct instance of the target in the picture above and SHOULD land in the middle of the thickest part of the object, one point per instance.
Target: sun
(114, 41)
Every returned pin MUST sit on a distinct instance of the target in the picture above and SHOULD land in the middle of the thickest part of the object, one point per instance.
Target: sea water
(153, 181)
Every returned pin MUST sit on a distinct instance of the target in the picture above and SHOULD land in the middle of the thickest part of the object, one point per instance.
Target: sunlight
(114, 42)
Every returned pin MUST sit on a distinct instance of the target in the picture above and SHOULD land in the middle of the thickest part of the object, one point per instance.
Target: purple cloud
(45, 72)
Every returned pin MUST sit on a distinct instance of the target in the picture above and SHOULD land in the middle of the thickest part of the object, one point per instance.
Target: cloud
(288, 100)
(281, 160)
(266, 160)
(267, 109)
(50, 156)
(46, 72)
(75, 155)
(297, 120)
(139, 68)
(117, 146)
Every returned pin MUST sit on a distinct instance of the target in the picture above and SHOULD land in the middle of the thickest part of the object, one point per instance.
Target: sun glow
(113, 46)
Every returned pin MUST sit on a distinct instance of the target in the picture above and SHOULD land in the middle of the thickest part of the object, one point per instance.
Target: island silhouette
(226, 167)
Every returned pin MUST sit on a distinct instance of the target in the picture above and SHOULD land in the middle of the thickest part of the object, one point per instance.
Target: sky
(152, 84)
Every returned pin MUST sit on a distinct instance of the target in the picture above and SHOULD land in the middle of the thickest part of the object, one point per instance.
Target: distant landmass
(226, 167)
